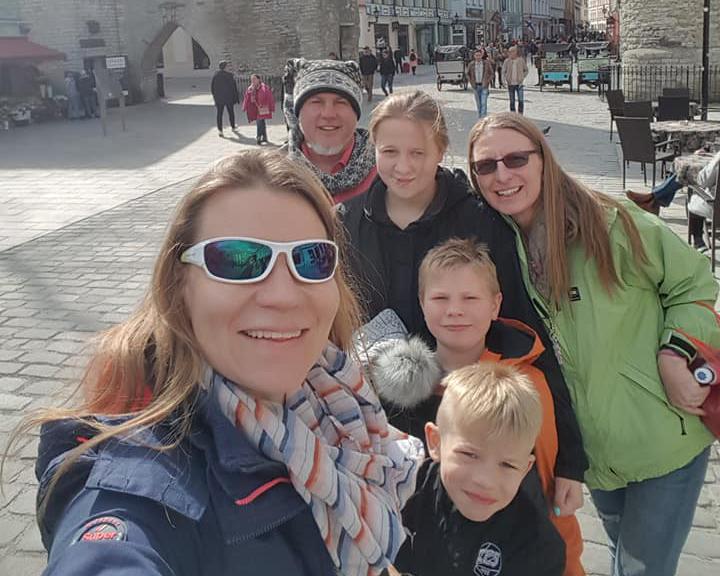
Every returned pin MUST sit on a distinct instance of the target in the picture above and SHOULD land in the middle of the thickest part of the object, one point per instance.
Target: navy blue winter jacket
(214, 506)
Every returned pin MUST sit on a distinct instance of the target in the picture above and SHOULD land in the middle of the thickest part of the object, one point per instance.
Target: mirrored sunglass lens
(516, 160)
(315, 260)
(485, 167)
(237, 259)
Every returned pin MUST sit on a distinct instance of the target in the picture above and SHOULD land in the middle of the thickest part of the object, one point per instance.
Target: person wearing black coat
(516, 541)
(385, 260)
(368, 65)
(387, 72)
(225, 94)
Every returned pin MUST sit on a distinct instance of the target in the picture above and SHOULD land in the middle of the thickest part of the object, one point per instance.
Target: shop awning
(19, 48)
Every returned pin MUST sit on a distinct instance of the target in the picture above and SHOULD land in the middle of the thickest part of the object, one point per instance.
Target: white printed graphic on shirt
(489, 560)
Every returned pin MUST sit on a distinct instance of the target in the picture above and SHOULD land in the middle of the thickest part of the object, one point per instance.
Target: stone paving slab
(82, 217)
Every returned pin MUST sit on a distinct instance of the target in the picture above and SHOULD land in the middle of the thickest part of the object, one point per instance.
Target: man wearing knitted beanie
(322, 117)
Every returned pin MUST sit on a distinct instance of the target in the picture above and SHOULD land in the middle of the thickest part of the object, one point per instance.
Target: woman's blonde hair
(150, 365)
(417, 106)
(572, 210)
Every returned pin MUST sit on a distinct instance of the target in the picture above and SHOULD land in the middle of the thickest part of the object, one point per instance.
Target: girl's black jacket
(384, 261)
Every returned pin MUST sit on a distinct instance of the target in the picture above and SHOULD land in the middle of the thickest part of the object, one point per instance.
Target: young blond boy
(460, 297)
(467, 515)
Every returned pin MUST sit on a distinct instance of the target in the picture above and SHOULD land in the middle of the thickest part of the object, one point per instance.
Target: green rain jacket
(607, 345)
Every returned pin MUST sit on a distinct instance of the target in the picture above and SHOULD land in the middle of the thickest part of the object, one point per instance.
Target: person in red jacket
(460, 298)
(259, 105)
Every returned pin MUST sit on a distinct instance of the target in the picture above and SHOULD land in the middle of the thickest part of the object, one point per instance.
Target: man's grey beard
(321, 150)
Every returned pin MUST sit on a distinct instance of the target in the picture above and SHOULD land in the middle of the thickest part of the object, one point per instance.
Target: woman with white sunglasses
(223, 429)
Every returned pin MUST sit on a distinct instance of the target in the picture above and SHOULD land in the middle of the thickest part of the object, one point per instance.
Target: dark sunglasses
(512, 160)
(246, 260)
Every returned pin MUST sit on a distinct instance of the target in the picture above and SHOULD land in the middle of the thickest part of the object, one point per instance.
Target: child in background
(467, 515)
(460, 297)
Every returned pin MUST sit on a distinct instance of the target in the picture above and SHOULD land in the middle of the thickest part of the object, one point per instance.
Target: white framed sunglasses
(240, 260)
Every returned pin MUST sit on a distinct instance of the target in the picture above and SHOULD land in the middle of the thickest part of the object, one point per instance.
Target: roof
(20, 48)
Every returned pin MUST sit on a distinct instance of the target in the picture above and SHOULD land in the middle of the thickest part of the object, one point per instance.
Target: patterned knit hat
(315, 76)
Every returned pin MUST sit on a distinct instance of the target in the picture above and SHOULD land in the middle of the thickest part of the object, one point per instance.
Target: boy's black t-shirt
(517, 541)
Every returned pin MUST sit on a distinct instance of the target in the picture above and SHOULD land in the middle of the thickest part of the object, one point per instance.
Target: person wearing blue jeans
(387, 72)
(517, 90)
(642, 542)
(514, 71)
(480, 71)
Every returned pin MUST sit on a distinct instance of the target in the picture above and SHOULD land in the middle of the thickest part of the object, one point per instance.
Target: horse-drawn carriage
(556, 65)
(450, 62)
(592, 56)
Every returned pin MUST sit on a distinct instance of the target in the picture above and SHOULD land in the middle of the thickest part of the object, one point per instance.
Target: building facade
(408, 24)
(255, 36)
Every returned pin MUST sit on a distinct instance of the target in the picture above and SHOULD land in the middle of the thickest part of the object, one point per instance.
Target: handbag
(263, 110)
(709, 362)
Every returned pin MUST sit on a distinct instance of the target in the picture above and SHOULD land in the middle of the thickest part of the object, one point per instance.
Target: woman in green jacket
(618, 291)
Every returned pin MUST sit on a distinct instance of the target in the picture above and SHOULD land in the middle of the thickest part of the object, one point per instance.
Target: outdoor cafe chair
(639, 109)
(712, 226)
(673, 108)
(616, 101)
(682, 92)
(637, 145)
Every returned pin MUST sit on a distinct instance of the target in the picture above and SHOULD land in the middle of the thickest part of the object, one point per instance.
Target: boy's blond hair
(492, 397)
(454, 253)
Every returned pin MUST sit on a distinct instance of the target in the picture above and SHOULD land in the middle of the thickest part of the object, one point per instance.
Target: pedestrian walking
(514, 71)
(259, 105)
(387, 72)
(594, 266)
(493, 55)
(398, 57)
(480, 71)
(225, 94)
(87, 94)
(368, 65)
(413, 60)
(499, 62)
(75, 109)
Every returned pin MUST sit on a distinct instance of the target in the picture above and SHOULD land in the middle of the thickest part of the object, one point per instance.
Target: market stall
(25, 95)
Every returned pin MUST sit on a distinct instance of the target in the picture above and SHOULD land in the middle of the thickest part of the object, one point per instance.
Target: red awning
(20, 48)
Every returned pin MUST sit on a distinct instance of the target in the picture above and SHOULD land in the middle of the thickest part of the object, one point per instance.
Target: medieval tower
(667, 32)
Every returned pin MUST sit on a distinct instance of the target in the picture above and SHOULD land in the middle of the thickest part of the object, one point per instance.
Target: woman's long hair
(572, 211)
(150, 366)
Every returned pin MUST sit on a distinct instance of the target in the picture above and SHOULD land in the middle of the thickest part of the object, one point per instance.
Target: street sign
(115, 62)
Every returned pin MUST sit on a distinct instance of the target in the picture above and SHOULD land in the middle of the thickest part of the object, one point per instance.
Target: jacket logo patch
(100, 529)
(574, 294)
(489, 560)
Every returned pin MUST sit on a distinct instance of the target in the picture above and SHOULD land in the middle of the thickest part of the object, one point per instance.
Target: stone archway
(254, 35)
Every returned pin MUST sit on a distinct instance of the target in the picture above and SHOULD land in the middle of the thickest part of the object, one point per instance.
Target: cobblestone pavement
(80, 221)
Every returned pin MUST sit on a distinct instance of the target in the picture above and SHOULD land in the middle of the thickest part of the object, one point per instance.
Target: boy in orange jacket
(460, 298)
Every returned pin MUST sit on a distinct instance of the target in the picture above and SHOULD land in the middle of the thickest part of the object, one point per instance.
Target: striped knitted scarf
(353, 469)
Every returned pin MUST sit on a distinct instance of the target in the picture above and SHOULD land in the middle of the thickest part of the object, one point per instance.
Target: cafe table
(691, 134)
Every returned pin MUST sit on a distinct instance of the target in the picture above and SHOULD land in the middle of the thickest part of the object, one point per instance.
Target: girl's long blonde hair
(572, 211)
(150, 366)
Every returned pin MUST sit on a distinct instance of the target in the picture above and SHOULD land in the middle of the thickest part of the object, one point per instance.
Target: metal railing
(647, 82)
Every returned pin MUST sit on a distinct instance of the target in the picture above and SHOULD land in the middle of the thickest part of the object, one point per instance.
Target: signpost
(107, 82)
(705, 60)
